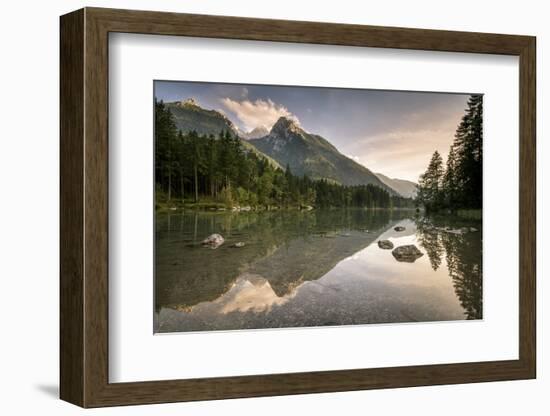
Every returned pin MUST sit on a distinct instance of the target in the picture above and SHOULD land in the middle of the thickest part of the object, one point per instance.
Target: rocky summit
(310, 154)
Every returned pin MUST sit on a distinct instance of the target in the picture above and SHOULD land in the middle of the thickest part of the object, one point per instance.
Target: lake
(313, 268)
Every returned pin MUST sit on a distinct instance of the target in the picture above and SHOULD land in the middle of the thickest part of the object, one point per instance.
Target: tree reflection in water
(463, 255)
(312, 268)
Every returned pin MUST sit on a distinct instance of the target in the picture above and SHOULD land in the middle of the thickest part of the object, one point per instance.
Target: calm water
(312, 268)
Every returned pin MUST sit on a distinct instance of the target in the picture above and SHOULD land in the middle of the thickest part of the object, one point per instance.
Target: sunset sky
(391, 132)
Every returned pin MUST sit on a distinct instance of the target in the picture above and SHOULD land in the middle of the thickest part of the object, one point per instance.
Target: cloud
(403, 152)
(257, 113)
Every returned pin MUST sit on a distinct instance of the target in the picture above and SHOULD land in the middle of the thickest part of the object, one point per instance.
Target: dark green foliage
(166, 135)
(222, 169)
(430, 189)
(468, 172)
(461, 184)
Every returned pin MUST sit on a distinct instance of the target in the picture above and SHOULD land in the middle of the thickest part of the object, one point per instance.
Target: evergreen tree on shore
(469, 155)
(430, 189)
(460, 185)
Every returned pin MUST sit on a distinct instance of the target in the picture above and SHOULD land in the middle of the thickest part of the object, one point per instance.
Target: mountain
(286, 143)
(189, 116)
(403, 187)
(256, 133)
(311, 154)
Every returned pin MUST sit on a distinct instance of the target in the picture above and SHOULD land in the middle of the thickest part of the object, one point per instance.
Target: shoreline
(220, 207)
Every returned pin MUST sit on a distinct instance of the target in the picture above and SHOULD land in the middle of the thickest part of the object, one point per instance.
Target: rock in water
(399, 228)
(213, 241)
(472, 229)
(407, 253)
(385, 244)
(239, 244)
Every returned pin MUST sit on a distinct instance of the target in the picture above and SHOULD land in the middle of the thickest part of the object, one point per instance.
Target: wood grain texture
(71, 213)
(84, 207)
(527, 207)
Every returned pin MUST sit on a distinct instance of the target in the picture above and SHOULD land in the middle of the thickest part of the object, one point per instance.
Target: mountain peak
(190, 102)
(256, 133)
(285, 124)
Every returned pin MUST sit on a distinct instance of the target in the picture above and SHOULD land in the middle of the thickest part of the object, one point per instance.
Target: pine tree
(165, 139)
(461, 184)
(450, 186)
(430, 191)
(469, 154)
(197, 159)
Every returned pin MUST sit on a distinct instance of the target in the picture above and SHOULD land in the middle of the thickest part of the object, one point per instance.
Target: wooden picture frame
(84, 207)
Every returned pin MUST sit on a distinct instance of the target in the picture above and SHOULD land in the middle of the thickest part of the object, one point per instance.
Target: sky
(390, 132)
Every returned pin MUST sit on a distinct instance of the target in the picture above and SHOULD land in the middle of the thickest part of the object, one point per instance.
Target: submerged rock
(385, 244)
(408, 253)
(239, 244)
(399, 228)
(213, 241)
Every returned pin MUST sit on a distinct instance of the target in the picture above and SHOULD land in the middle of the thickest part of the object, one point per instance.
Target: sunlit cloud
(405, 151)
(258, 113)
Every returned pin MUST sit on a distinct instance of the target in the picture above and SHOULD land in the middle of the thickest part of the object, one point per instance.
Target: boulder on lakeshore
(408, 253)
(385, 244)
(213, 241)
(399, 228)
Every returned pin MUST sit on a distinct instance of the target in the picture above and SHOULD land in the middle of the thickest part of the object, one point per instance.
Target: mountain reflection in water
(316, 268)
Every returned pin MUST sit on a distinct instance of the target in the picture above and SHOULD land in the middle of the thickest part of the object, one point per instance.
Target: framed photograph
(256, 207)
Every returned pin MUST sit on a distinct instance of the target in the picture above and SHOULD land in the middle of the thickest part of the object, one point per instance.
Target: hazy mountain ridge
(403, 187)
